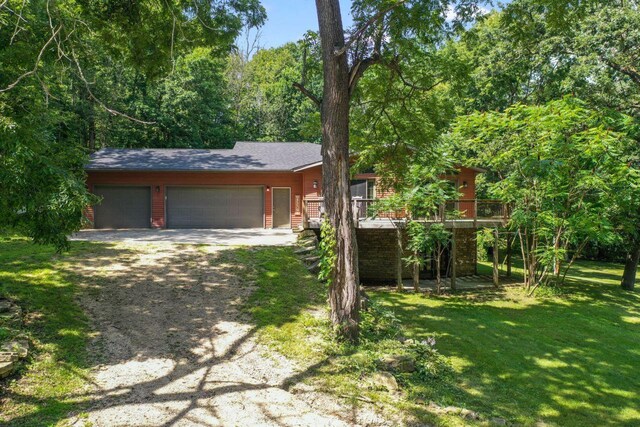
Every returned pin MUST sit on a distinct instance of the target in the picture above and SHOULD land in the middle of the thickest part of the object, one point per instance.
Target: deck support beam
(509, 244)
(416, 277)
(496, 259)
(399, 253)
(454, 259)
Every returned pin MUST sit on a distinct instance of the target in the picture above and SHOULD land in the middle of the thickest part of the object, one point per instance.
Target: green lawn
(567, 359)
(43, 392)
(570, 359)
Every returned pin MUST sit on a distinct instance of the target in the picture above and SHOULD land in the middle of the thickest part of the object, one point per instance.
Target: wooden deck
(465, 213)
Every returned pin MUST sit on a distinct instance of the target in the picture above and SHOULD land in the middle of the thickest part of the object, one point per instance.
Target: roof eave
(188, 170)
(308, 166)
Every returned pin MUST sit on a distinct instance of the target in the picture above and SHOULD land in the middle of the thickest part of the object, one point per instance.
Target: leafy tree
(383, 32)
(563, 168)
(266, 104)
(54, 101)
(531, 53)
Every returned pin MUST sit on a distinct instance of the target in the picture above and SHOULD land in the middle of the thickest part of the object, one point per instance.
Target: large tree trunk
(343, 292)
(631, 268)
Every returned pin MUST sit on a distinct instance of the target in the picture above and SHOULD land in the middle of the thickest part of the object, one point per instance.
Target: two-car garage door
(226, 206)
(186, 207)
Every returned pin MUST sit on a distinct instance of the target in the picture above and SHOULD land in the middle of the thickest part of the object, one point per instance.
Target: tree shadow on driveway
(174, 346)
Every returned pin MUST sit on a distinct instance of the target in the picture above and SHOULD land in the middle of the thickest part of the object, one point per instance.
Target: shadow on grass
(177, 308)
(568, 360)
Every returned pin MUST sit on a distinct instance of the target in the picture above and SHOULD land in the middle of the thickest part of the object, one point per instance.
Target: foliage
(563, 168)
(75, 76)
(298, 330)
(327, 248)
(265, 104)
(379, 323)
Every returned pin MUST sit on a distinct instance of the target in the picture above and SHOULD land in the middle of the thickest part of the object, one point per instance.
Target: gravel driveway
(174, 348)
(224, 237)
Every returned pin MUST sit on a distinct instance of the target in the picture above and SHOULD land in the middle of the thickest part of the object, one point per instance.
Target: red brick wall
(163, 179)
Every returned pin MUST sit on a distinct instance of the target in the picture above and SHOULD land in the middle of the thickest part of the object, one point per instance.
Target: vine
(328, 256)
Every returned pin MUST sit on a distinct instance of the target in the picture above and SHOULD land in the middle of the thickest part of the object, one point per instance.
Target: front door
(281, 208)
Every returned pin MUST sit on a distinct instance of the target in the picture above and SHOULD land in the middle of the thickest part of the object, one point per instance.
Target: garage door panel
(122, 207)
(215, 207)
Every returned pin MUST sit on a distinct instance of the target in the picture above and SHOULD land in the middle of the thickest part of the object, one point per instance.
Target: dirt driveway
(222, 237)
(175, 349)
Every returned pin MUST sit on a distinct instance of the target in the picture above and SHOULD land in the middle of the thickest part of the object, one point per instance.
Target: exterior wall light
(157, 188)
(315, 183)
(464, 184)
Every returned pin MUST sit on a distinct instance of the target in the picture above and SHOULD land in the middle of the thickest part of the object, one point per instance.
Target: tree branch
(102, 104)
(356, 36)
(308, 93)
(35, 67)
(358, 69)
(628, 71)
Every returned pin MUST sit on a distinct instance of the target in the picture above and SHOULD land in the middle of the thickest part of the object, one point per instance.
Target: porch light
(315, 183)
(268, 188)
(464, 184)
(157, 188)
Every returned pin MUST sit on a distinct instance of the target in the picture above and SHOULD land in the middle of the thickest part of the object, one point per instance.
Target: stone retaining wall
(378, 254)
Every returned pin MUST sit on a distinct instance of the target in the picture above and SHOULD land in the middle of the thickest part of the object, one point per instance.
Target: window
(363, 188)
(371, 189)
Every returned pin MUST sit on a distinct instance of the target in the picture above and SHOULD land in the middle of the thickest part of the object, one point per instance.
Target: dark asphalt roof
(245, 156)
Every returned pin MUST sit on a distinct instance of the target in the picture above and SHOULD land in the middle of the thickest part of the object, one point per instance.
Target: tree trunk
(343, 291)
(416, 273)
(631, 268)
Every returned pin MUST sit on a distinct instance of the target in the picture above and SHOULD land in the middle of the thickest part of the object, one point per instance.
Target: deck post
(509, 243)
(399, 284)
(416, 276)
(305, 218)
(475, 213)
(454, 259)
(496, 259)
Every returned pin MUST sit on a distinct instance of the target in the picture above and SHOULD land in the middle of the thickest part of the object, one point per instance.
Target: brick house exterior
(168, 176)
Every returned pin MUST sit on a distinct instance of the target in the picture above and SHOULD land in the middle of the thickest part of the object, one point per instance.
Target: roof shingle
(244, 156)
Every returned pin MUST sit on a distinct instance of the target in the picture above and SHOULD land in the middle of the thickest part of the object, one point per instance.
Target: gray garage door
(215, 207)
(122, 207)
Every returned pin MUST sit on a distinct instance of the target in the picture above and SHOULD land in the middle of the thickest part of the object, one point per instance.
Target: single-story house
(252, 185)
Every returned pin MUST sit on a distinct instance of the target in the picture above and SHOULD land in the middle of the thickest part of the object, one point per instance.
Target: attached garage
(229, 206)
(122, 207)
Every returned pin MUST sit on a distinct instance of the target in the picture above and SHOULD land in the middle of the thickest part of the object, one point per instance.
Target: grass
(290, 313)
(566, 358)
(569, 359)
(42, 391)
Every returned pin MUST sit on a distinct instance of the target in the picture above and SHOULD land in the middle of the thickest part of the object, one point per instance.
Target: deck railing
(452, 210)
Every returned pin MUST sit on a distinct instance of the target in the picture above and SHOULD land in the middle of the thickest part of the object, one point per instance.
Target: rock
(399, 363)
(18, 346)
(315, 268)
(312, 259)
(469, 414)
(386, 380)
(305, 250)
(498, 422)
(5, 305)
(8, 356)
(6, 368)
(451, 410)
